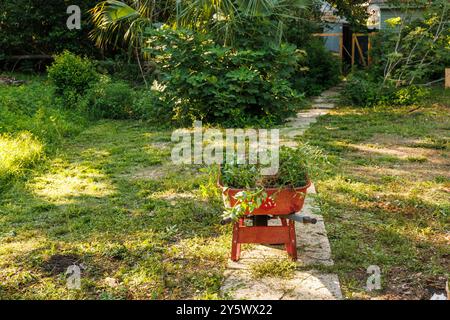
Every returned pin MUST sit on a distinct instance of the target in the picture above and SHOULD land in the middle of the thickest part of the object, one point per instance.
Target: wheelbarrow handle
(293, 216)
(301, 218)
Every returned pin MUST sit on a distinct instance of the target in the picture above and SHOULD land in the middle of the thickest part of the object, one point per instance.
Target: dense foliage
(321, 69)
(203, 80)
(353, 10)
(32, 108)
(30, 27)
(365, 90)
(109, 99)
(32, 123)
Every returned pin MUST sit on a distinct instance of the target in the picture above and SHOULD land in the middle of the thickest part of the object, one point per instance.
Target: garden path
(304, 282)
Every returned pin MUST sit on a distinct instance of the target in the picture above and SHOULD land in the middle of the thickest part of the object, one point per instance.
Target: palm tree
(121, 23)
(227, 17)
(118, 23)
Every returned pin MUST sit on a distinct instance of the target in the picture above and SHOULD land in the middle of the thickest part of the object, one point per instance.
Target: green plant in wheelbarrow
(250, 190)
(251, 197)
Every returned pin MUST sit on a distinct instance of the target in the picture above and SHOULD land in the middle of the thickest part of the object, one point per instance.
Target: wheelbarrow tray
(287, 200)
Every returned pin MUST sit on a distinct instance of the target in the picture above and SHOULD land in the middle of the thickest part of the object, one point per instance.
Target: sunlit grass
(66, 182)
(17, 153)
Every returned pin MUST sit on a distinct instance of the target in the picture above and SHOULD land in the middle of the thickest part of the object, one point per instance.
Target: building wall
(332, 43)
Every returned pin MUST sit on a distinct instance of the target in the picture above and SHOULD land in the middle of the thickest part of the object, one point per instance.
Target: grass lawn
(386, 199)
(111, 200)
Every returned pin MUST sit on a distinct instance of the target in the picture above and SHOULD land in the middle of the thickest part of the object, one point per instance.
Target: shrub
(322, 69)
(109, 99)
(413, 50)
(17, 153)
(410, 95)
(364, 90)
(360, 90)
(233, 87)
(72, 75)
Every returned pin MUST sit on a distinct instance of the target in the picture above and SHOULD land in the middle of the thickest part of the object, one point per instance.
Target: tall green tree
(121, 24)
(355, 11)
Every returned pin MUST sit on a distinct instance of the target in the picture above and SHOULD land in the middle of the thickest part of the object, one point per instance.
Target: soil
(59, 263)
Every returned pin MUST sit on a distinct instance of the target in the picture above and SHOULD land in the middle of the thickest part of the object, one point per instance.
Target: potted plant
(248, 195)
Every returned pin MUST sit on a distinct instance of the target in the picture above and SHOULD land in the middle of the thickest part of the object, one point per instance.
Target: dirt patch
(154, 173)
(404, 285)
(401, 152)
(59, 263)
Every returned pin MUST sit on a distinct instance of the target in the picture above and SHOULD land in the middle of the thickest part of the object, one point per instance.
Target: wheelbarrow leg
(235, 245)
(286, 245)
(293, 240)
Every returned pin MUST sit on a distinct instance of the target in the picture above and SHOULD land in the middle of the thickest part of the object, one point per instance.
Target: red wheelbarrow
(287, 202)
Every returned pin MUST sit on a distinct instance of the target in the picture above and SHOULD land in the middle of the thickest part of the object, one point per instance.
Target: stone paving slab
(241, 285)
(313, 246)
(325, 106)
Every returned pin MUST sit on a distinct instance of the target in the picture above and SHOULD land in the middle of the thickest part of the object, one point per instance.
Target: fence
(357, 50)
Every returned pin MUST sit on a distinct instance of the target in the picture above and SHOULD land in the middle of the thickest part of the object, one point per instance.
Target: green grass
(17, 152)
(34, 108)
(99, 200)
(106, 196)
(385, 197)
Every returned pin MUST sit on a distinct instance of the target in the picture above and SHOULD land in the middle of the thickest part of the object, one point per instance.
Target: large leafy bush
(216, 84)
(72, 75)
